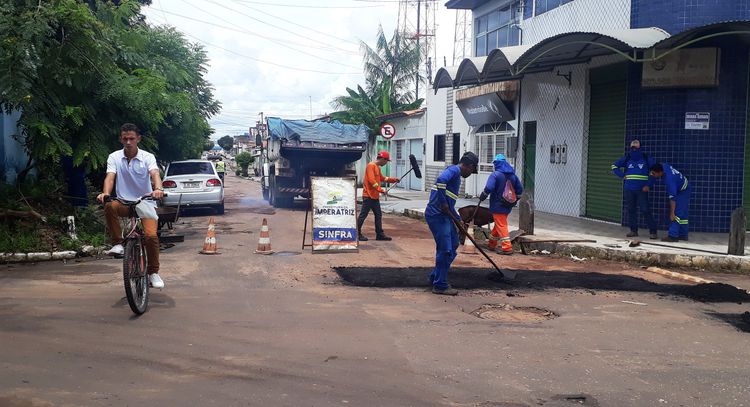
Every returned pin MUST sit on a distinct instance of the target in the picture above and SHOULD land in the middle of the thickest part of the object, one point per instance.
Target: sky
(285, 58)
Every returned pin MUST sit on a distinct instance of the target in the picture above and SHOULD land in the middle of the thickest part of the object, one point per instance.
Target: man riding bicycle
(134, 171)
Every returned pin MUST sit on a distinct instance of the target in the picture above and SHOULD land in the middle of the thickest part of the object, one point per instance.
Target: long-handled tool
(506, 274)
(414, 167)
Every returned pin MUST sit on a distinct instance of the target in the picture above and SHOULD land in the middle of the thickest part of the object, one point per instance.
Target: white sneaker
(116, 250)
(155, 281)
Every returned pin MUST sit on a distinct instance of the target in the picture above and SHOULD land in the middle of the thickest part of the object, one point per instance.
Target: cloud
(252, 74)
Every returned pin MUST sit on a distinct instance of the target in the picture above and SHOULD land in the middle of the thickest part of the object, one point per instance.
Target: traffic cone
(264, 241)
(209, 245)
(468, 247)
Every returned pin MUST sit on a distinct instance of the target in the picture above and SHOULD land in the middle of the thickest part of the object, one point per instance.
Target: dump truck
(295, 150)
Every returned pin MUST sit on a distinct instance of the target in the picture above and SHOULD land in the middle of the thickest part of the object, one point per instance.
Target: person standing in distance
(636, 186)
(133, 171)
(441, 214)
(221, 168)
(371, 196)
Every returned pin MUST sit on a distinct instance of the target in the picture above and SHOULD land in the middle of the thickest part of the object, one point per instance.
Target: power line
(250, 33)
(273, 25)
(269, 62)
(303, 6)
(298, 25)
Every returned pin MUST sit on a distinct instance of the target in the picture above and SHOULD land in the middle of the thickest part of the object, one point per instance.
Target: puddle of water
(510, 313)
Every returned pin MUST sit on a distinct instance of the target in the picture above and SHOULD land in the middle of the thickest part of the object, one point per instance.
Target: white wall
(578, 15)
(434, 121)
(561, 114)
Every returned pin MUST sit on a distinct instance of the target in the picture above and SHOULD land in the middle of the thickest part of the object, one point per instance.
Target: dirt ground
(297, 328)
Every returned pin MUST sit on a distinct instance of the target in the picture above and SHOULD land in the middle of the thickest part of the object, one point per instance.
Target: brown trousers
(113, 211)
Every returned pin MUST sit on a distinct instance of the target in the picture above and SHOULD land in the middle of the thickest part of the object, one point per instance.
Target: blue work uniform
(496, 186)
(637, 166)
(445, 191)
(678, 189)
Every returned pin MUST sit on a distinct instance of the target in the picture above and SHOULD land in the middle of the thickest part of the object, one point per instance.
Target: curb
(50, 256)
(726, 264)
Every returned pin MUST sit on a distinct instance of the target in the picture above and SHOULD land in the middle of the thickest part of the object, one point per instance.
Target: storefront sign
(484, 109)
(697, 121)
(334, 213)
(685, 68)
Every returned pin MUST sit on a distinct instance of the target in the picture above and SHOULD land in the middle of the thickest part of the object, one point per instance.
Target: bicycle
(135, 259)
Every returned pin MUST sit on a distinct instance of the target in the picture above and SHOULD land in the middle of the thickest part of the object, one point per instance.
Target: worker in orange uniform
(371, 196)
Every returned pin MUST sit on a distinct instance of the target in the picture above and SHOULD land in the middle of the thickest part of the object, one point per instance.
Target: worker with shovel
(441, 215)
(504, 189)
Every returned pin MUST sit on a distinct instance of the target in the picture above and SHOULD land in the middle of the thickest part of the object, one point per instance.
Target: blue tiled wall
(676, 16)
(712, 160)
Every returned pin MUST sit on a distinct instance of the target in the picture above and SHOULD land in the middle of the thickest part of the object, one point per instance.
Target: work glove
(483, 196)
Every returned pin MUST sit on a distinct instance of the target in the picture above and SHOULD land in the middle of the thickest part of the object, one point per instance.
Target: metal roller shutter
(606, 138)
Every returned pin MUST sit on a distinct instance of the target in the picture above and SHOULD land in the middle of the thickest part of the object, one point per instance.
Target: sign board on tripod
(334, 209)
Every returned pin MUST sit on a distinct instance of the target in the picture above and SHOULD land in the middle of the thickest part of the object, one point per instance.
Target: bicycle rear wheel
(135, 276)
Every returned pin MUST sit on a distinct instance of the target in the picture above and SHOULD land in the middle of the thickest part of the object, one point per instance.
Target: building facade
(592, 75)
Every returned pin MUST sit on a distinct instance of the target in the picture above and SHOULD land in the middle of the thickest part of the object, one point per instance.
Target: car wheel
(220, 209)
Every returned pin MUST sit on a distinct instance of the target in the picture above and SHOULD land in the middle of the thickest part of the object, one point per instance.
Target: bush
(237, 172)
(243, 160)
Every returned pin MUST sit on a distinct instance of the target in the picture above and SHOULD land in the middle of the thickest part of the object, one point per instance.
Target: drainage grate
(511, 313)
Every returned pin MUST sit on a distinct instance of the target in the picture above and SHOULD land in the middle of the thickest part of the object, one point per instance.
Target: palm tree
(393, 64)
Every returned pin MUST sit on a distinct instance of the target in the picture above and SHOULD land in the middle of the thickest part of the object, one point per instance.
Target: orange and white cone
(264, 241)
(468, 247)
(209, 245)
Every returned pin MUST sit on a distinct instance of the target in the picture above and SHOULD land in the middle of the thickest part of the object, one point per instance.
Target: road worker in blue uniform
(636, 165)
(678, 189)
(440, 215)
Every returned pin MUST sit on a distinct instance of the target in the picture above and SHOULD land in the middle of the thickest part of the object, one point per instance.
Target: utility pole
(310, 97)
(419, 51)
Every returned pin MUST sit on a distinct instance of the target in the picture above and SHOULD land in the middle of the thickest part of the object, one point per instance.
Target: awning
(635, 45)
(569, 48)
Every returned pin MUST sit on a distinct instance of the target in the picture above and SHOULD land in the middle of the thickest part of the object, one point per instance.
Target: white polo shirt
(133, 179)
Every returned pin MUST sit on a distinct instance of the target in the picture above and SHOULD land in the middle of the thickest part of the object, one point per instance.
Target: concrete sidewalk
(611, 242)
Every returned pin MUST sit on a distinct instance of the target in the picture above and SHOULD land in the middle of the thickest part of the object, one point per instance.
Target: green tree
(77, 70)
(226, 142)
(391, 70)
(208, 145)
(243, 160)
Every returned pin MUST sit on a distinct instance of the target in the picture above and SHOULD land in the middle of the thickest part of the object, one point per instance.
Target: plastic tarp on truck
(333, 132)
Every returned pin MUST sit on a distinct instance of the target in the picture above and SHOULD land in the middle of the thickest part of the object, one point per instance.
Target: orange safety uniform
(373, 178)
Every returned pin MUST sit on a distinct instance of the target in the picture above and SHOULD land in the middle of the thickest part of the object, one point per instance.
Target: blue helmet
(500, 157)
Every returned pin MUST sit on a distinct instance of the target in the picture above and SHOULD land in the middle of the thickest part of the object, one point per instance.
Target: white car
(193, 183)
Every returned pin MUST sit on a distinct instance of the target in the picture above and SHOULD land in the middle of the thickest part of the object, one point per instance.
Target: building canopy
(635, 45)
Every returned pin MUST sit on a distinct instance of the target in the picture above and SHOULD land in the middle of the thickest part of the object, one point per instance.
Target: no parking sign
(387, 130)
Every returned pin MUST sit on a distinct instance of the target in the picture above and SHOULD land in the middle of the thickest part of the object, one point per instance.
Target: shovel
(506, 274)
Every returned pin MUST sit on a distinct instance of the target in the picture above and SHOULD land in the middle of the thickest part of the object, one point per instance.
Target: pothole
(511, 313)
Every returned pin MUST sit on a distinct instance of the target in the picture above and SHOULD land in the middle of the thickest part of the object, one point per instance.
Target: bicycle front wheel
(135, 276)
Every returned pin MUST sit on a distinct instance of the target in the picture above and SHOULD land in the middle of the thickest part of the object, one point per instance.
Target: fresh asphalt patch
(482, 278)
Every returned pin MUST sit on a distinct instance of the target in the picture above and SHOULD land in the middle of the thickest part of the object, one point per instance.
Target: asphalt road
(288, 330)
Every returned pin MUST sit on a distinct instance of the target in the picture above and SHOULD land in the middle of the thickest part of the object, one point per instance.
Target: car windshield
(190, 168)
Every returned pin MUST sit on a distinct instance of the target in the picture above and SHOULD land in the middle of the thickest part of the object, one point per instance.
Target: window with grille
(496, 29)
(399, 149)
(489, 145)
(543, 6)
(438, 153)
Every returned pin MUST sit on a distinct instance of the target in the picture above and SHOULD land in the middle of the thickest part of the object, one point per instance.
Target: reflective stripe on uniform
(505, 239)
(638, 177)
(441, 186)
(684, 185)
(681, 221)
(375, 184)
(614, 167)
(451, 194)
